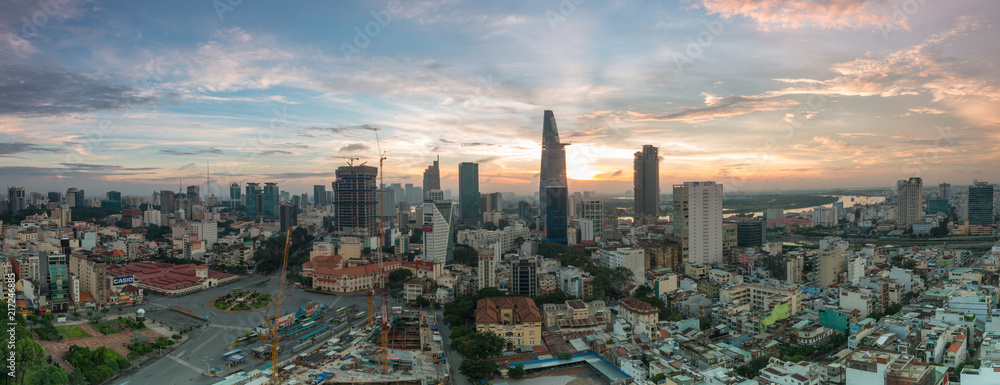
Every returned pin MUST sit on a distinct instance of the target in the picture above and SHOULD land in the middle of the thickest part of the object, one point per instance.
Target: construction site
(415, 356)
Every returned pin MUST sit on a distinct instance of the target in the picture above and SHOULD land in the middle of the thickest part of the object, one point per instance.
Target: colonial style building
(516, 319)
(350, 279)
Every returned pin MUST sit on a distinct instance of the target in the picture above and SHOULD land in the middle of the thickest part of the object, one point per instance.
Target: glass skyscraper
(269, 206)
(468, 193)
(553, 169)
(556, 200)
(646, 183)
(981, 204)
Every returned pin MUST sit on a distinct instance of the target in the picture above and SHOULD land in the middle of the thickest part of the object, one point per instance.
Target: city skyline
(103, 98)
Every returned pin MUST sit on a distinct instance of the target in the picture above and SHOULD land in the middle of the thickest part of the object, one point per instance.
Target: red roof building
(172, 280)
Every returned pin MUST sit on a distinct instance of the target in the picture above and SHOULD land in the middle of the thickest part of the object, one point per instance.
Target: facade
(194, 194)
(235, 194)
(935, 206)
(270, 198)
(593, 210)
(516, 319)
(468, 193)
(355, 201)
(981, 204)
(319, 196)
(574, 281)
(864, 300)
(253, 201)
(553, 168)
(351, 279)
(15, 199)
(487, 270)
(432, 177)
(909, 202)
(556, 219)
(646, 183)
(825, 216)
(633, 259)
(751, 233)
(171, 280)
(92, 273)
(437, 218)
(523, 276)
(289, 216)
(576, 315)
(641, 315)
(698, 222)
(831, 263)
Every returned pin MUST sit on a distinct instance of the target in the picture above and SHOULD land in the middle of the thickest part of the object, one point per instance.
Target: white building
(909, 202)
(855, 270)
(698, 221)
(593, 210)
(151, 217)
(436, 226)
(857, 298)
(987, 374)
(825, 216)
(208, 231)
(629, 258)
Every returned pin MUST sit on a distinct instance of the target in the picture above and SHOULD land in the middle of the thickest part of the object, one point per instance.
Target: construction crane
(384, 331)
(271, 336)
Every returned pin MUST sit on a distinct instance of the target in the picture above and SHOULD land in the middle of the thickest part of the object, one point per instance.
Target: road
(203, 350)
(454, 358)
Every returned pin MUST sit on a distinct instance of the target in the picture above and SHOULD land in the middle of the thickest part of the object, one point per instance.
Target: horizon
(104, 97)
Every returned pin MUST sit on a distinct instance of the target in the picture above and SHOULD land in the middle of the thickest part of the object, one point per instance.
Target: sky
(140, 96)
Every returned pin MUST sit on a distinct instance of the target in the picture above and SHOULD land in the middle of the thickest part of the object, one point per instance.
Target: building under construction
(404, 333)
(355, 201)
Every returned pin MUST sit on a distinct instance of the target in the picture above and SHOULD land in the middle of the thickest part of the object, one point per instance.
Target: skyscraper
(114, 201)
(437, 226)
(981, 204)
(234, 192)
(270, 200)
(166, 202)
(253, 201)
(319, 196)
(468, 193)
(432, 177)
(194, 194)
(945, 190)
(355, 200)
(289, 216)
(909, 202)
(698, 222)
(553, 169)
(646, 183)
(15, 199)
(55, 197)
(81, 198)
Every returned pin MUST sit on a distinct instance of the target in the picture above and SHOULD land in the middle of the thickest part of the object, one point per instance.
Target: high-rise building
(56, 280)
(270, 200)
(15, 199)
(553, 168)
(114, 201)
(319, 196)
(194, 194)
(166, 202)
(289, 216)
(646, 183)
(71, 196)
(253, 201)
(909, 202)
(355, 201)
(490, 202)
(468, 193)
(751, 233)
(524, 211)
(438, 244)
(398, 192)
(831, 263)
(92, 273)
(432, 177)
(593, 210)
(435, 195)
(935, 206)
(386, 208)
(981, 204)
(81, 198)
(556, 201)
(523, 276)
(410, 191)
(55, 197)
(235, 192)
(945, 190)
(698, 222)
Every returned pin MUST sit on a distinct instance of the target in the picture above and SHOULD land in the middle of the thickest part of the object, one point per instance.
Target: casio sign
(122, 280)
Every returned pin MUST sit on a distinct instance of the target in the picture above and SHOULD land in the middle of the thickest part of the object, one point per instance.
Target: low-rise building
(516, 319)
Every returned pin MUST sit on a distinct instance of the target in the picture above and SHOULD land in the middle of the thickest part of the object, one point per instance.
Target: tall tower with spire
(432, 177)
(553, 188)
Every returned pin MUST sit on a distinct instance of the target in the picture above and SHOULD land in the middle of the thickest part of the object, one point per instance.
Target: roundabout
(241, 301)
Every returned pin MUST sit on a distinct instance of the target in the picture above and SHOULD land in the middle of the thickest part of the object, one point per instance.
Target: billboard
(123, 280)
(425, 265)
(428, 228)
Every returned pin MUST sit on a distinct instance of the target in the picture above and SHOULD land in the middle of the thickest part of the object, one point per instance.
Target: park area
(242, 301)
(71, 332)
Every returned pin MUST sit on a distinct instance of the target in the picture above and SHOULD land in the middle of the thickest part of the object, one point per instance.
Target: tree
(139, 338)
(517, 372)
(489, 226)
(49, 374)
(565, 356)
(705, 322)
(416, 237)
(400, 275)
(478, 345)
(466, 255)
(876, 315)
(422, 302)
(476, 370)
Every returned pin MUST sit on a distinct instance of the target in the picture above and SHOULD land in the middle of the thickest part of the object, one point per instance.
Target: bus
(341, 311)
(361, 315)
(231, 353)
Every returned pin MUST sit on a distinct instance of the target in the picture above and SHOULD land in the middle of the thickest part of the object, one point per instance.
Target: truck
(434, 327)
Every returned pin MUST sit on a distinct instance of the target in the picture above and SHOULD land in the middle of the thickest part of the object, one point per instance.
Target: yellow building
(516, 319)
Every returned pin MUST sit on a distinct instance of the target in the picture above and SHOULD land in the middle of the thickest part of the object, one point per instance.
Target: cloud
(717, 107)
(171, 151)
(275, 152)
(487, 159)
(311, 132)
(824, 14)
(38, 91)
(102, 168)
(187, 166)
(7, 149)
(355, 147)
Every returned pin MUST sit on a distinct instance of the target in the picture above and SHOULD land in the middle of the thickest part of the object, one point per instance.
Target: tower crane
(381, 276)
(271, 336)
